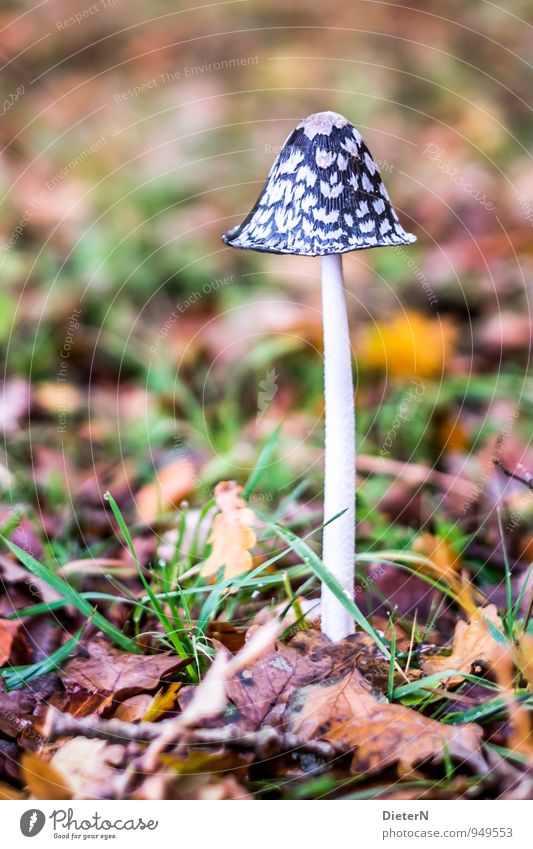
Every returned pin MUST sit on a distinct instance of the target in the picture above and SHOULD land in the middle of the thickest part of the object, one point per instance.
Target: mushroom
(323, 197)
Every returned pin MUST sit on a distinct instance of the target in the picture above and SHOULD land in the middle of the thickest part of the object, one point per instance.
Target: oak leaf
(107, 670)
(444, 564)
(473, 644)
(344, 712)
(397, 734)
(231, 536)
(261, 690)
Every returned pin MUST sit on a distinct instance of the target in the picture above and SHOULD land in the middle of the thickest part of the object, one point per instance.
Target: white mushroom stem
(338, 549)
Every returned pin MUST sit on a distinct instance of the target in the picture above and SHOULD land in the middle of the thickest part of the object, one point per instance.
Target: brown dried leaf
(444, 564)
(397, 734)
(8, 632)
(108, 670)
(329, 708)
(261, 690)
(134, 708)
(231, 534)
(16, 709)
(343, 712)
(473, 644)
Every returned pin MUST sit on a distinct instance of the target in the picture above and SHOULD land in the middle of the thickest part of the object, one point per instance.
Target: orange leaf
(231, 534)
(8, 630)
(344, 712)
(397, 734)
(173, 483)
(43, 779)
(410, 345)
(472, 644)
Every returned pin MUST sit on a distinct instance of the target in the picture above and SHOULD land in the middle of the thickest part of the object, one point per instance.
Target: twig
(415, 474)
(265, 743)
(526, 478)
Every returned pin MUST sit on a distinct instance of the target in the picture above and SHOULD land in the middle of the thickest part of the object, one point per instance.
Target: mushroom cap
(324, 195)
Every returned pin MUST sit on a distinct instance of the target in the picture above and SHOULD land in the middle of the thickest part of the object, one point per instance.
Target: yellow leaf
(43, 779)
(163, 701)
(231, 534)
(410, 345)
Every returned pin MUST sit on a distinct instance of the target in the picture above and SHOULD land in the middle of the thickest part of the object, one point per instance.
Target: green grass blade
(313, 560)
(423, 684)
(72, 596)
(15, 678)
(392, 661)
(158, 608)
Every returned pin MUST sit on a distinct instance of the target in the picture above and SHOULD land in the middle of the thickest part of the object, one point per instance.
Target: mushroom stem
(338, 547)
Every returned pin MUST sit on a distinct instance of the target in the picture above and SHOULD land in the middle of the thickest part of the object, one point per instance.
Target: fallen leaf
(163, 702)
(262, 689)
(324, 709)
(16, 709)
(397, 734)
(444, 564)
(134, 708)
(473, 645)
(231, 535)
(87, 768)
(44, 780)
(8, 632)
(172, 484)
(53, 397)
(230, 636)
(344, 712)
(410, 345)
(105, 669)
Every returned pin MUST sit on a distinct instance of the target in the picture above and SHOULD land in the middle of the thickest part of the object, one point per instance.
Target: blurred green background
(134, 134)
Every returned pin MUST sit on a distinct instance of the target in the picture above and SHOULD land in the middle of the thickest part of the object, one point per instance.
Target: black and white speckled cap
(324, 195)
